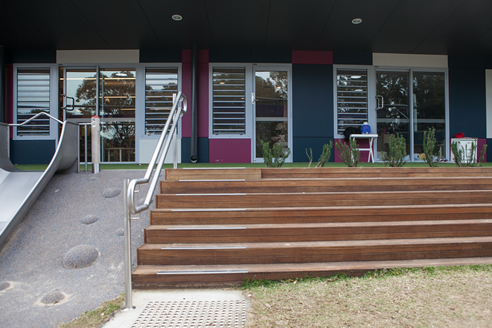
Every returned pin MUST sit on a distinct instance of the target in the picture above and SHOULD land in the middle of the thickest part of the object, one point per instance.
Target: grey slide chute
(20, 189)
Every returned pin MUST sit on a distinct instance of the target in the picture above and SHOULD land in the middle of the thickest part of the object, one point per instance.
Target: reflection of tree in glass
(118, 91)
(394, 88)
(428, 89)
(273, 87)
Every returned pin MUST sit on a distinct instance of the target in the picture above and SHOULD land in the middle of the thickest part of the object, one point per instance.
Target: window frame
(248, 71)
(53, 92)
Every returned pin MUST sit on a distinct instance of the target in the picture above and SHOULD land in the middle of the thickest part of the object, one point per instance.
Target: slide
(20, 189)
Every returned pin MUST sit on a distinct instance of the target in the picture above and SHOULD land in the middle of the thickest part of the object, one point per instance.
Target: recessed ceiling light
(177, 17)
(356, 21)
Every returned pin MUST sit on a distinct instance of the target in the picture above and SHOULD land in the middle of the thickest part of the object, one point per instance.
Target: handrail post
(128, 248)
(96, 143)
(175, 137)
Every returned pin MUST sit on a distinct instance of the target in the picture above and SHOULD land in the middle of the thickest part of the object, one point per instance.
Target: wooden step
(322, 199)
(160, 276)
(324, 172)
(326, 185)
(374, 172)
(306, 252)
(213, 173)
(255, 233)
(163, 216)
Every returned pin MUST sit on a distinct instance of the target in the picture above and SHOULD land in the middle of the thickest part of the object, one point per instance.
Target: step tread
(330, 208)
(323, 225)
(315, 244)
(311, 267)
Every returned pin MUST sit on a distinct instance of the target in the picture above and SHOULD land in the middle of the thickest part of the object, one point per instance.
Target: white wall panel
(147, 147)
(97, 56)
(407, 60)
(488, 101)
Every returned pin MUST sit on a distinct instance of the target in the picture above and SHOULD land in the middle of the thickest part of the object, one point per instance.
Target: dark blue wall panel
(32, 151)
(467, 62)
(489, 150)
(202, 150)
(312, 87)
(250, 56)
(352, 58)
(160, 55)
(316, 144)
(31, 56)
(467, 110)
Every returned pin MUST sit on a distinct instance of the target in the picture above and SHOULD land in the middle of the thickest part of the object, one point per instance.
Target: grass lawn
(458, 296)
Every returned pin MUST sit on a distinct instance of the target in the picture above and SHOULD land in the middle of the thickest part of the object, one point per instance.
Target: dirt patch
(446, 298)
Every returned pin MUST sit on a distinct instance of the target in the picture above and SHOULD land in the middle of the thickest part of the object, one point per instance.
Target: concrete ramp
(20, 189)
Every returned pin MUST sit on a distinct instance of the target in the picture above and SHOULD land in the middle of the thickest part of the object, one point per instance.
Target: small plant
(310, 156)
(466, 161)
(349, 155)
(429, 146)
(275, 156)
(397, 151)
(325, 154)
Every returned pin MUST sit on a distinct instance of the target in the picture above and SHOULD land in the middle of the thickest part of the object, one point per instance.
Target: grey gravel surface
(38, 290)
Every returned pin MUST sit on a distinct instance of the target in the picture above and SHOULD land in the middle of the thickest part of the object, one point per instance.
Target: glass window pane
(33, 96)
(160, 85)
(228, 101)
(429, 108)
(351, 98)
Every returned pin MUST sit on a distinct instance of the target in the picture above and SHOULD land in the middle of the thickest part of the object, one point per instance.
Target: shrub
(470, 162)
(325, 154)
(430, 149)
(349, 155)
(397, 151)
(275, 156)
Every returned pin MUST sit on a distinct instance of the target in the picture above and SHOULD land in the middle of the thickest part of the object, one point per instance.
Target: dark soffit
(396, 26)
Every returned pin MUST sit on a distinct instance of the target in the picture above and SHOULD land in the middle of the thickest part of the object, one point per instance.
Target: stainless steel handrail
(179, 108)
(32, 118)
(159, 155)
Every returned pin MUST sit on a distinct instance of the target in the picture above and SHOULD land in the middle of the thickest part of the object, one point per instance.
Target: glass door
(429, 109)
(392, 109)
(271, 107)
(110, 94)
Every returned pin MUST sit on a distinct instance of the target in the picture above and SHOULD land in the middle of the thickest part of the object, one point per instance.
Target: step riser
(304, 235)
(312, 255)
(311, 216)
(320, 200)
(262, 186)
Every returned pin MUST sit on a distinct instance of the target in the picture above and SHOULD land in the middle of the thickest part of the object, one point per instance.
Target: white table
(371, 138)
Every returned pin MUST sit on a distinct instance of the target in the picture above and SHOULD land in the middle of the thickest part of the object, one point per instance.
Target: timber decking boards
(350, 172)
(323, 199)
(283, 223)
(146, 276)
(321, 214)
(327, 185)
(305, 252)
(317, 231)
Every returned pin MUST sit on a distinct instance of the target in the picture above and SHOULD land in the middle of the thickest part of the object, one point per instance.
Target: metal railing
(152, 174)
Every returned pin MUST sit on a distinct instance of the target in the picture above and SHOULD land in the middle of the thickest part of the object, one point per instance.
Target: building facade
(285, 88)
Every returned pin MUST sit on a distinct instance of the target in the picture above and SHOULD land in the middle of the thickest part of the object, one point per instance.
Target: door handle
(253, 98)
(379, 102)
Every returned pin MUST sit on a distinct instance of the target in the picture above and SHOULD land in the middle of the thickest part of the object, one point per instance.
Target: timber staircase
(217, 227)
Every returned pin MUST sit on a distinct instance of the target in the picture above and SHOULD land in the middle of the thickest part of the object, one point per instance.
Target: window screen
(33, 97)
(160, 84)
(228, 103)
(351, 98)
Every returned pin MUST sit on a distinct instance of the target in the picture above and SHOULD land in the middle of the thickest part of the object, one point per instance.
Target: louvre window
(160, 84)
(351, 98)
(228, 102)
(33, 97)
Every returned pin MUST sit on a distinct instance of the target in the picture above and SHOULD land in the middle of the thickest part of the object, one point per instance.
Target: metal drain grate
(181, 314)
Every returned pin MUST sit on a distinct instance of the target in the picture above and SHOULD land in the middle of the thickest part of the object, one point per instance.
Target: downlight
(356, 21)
(177, 17)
